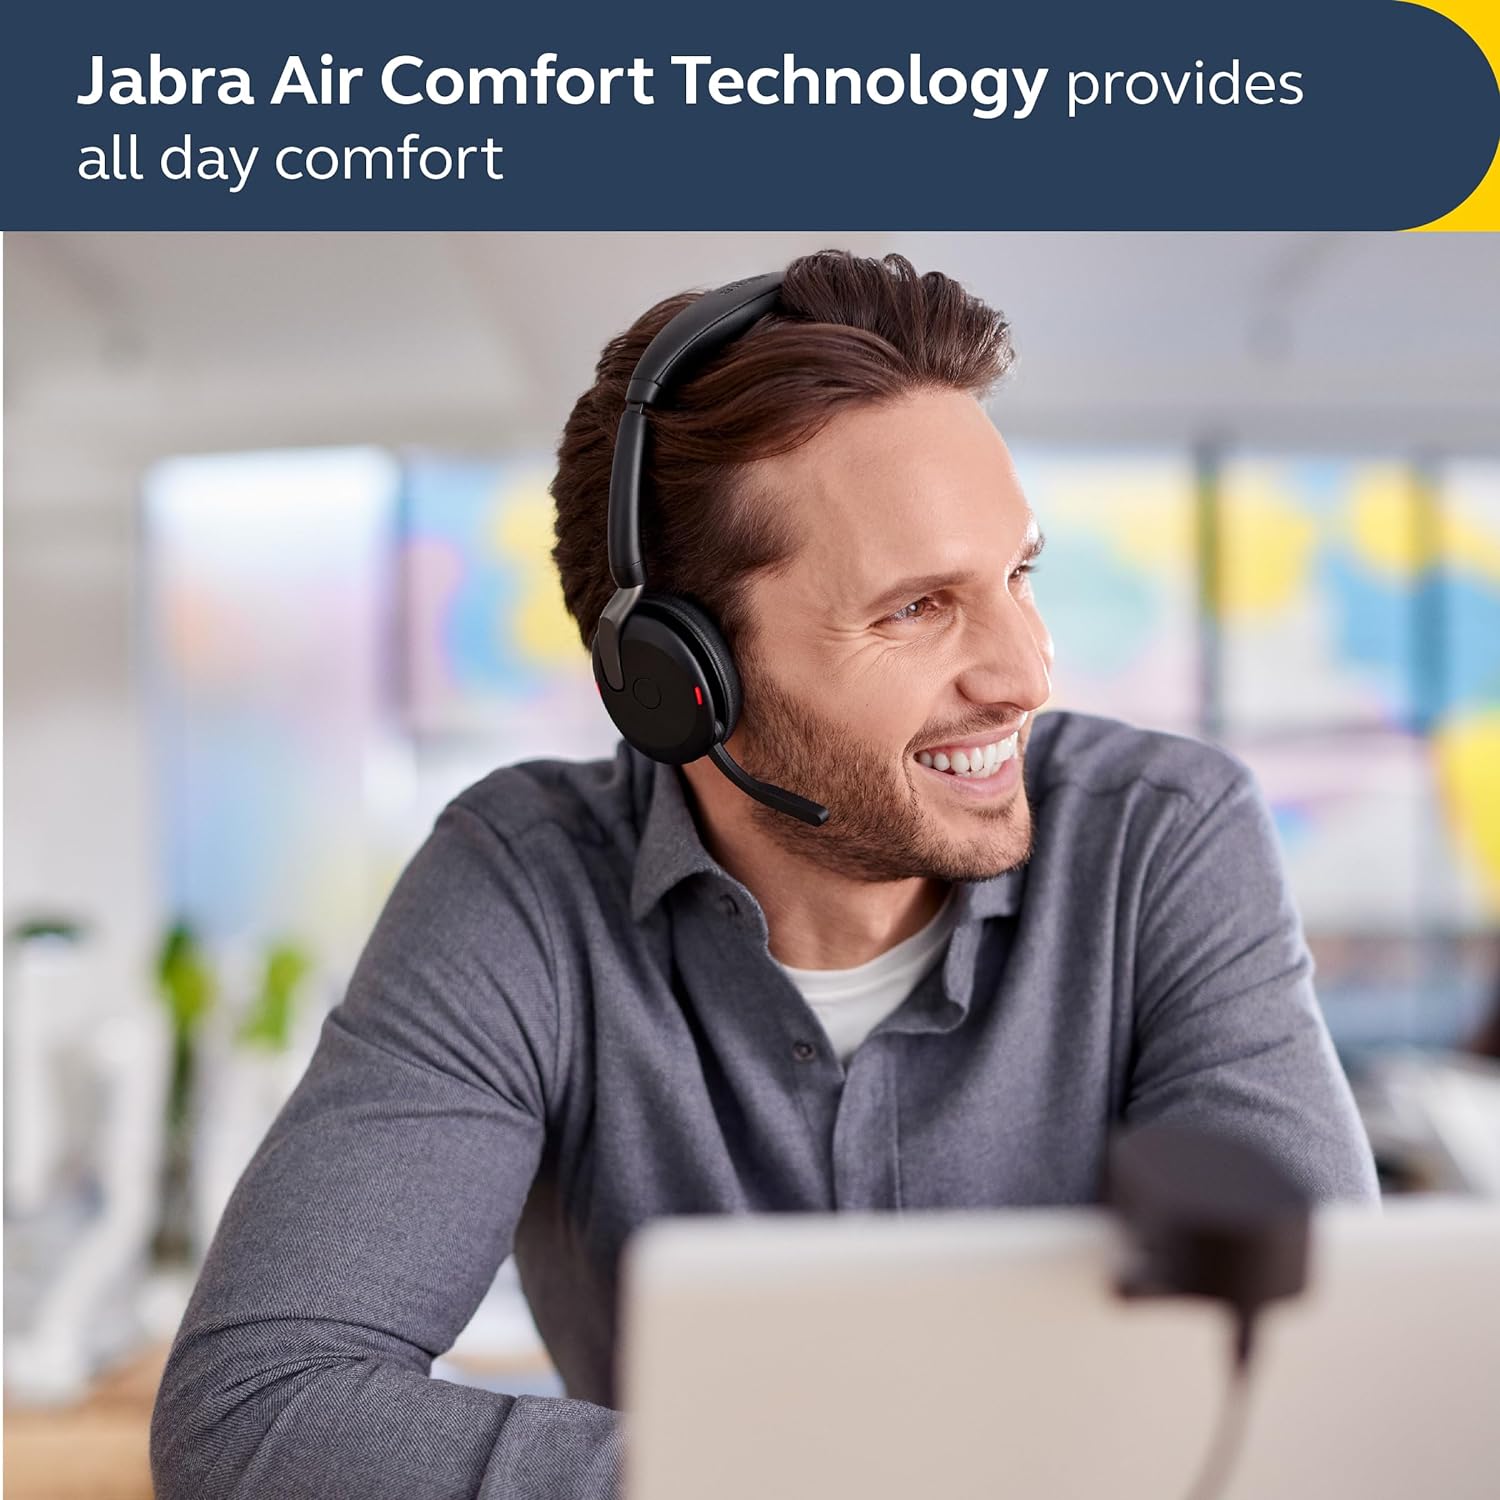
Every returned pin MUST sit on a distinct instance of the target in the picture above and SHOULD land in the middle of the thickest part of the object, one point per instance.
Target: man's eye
(908, 611)
(922, 608)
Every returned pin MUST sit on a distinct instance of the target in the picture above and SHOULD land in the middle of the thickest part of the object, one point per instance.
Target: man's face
(902, 632)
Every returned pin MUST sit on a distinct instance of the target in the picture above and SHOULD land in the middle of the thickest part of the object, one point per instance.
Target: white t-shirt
(851, 1003)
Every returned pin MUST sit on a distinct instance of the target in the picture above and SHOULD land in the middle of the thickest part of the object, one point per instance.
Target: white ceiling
(123, 347)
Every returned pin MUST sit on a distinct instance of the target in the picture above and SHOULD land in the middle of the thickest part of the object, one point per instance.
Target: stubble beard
(877, 829)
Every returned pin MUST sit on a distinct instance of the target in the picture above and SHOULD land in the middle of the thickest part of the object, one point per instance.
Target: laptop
(984, 1355)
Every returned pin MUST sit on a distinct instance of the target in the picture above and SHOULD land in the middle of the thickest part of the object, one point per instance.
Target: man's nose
(1009, 658)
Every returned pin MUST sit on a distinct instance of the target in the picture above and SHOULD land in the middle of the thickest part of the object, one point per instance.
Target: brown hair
(847, 331)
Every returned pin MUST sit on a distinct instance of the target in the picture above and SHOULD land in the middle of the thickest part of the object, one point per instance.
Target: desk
(97, 1449)
(93, 1451)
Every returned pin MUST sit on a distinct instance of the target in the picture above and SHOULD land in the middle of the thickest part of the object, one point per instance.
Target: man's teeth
(982, 761)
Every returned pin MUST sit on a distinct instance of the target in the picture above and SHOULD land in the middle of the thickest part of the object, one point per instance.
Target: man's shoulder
(593, 803)
(1109, 757)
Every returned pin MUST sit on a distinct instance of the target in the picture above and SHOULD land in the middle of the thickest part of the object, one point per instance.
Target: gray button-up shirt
(568, 1022)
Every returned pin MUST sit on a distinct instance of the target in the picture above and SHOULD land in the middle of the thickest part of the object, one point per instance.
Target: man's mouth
(974, 761)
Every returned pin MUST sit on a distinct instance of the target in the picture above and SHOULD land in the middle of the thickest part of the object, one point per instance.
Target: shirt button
(728, 905)
(804, 1051)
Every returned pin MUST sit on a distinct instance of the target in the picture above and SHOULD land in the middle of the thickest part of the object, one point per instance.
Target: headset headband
(699, 331)
(683, 695)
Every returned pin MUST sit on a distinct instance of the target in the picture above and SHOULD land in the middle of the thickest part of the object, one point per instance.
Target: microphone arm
(773, 796)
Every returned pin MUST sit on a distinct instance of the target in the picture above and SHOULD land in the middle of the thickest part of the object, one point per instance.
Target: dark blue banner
(1247, 115)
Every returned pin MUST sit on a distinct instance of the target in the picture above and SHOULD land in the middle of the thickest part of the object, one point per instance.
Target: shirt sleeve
(372, 1220)
(1228, 1032)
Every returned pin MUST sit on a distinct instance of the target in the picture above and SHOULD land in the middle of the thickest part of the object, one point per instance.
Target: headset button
(646, 692)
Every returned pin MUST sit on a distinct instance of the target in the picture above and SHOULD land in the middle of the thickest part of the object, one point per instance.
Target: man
(610, 991)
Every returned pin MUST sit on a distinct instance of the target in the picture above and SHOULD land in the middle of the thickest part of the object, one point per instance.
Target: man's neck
(817, 918)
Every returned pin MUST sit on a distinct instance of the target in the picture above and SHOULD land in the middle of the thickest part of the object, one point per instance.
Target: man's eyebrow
(1033, 549)
(907, 589)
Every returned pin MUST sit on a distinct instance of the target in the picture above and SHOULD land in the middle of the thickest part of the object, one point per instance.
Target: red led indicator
(698, 695)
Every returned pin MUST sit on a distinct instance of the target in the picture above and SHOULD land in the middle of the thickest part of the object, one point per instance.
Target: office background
(277, 585)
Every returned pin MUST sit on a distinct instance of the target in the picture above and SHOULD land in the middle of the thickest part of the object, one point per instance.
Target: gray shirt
(567, 1022)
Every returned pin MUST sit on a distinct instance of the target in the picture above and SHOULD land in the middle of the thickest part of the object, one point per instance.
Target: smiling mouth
(976, 762)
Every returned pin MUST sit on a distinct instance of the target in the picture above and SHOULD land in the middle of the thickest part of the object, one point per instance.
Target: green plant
(47, 927)
(269, 1020)
(186, 983)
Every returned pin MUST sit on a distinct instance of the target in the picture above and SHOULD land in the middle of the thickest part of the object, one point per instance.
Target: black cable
(1230, 1434)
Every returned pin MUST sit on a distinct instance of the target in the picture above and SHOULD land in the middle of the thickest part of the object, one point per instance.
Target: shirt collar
(670, 850)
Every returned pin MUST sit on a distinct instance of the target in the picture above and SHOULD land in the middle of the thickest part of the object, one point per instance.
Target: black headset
(664, 671)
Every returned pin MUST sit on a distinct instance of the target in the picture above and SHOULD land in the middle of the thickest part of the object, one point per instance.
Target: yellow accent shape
(1382, 522)
(539, 624)
(1468, 750)
(1481, 19)
(1396, 523)
(1153, 523)
(1266, 546)
(1465, 544)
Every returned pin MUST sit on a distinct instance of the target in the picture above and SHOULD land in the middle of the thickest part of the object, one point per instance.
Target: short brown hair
(847, 331)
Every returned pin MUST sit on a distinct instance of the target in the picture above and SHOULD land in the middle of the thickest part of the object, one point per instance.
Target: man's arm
(373, 1218)
(1228, 1032)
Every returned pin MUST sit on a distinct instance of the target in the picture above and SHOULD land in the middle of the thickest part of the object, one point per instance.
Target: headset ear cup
(698, 628)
